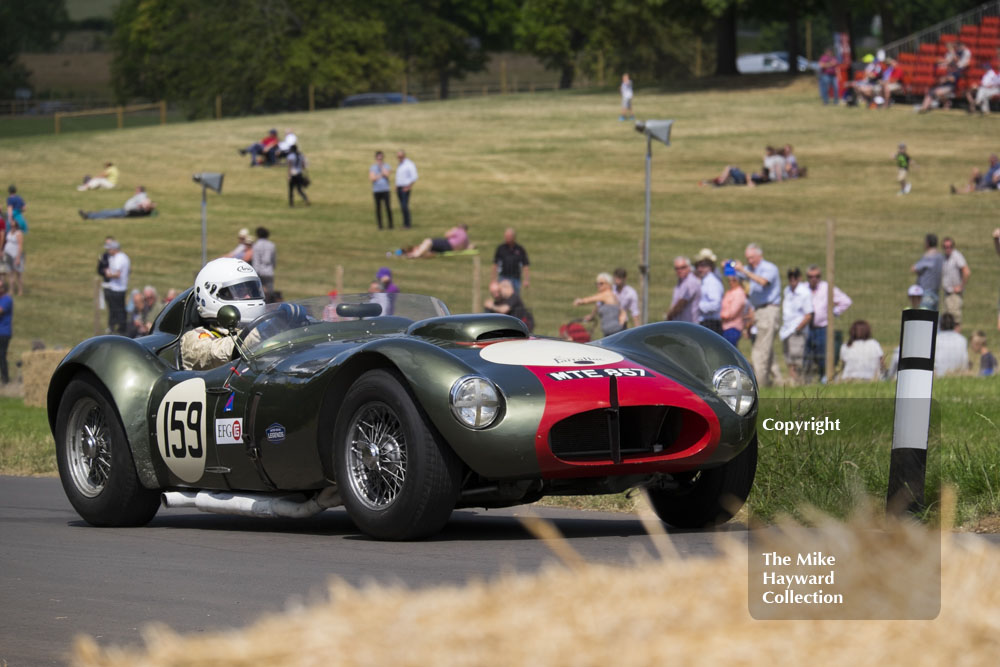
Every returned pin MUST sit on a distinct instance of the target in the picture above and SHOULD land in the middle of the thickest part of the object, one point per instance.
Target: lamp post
(659, 130)
(209, 180)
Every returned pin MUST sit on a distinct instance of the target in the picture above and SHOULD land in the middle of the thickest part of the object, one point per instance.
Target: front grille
(645, 430)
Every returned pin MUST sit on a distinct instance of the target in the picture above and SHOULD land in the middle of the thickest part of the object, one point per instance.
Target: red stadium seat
(948, 38)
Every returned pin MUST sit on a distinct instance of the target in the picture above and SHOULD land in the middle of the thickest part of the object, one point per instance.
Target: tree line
(263, 55)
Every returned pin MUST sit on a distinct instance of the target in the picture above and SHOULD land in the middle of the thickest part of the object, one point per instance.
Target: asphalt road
(197, 572)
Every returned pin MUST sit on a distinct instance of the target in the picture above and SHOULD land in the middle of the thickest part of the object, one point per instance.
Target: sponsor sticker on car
(229, 431)
(275, 433)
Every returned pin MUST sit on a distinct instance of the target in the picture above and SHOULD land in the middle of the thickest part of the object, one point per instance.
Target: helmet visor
(244, 291)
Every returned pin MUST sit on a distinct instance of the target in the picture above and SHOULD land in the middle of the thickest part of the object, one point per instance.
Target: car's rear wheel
(397, 480)
(708, 497)
(95, 462)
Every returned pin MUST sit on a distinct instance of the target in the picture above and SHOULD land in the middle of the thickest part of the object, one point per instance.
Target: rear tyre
(712, 496)
(95, 461)
(397, 480)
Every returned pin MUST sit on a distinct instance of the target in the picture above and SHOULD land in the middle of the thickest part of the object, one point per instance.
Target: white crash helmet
(228, 281)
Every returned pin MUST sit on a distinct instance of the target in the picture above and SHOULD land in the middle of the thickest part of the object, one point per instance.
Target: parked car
(366, 99)
(776, 61)
(400, 411)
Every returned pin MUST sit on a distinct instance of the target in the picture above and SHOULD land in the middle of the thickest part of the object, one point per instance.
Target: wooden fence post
(312, 97)
(120, 112)
(57, 118)
(218, 107)
(163, 112)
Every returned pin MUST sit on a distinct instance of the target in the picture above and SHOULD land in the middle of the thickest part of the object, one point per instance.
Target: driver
(222, 282)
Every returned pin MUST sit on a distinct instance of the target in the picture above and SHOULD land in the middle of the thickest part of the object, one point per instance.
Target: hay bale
(667, 611)
(36, 368)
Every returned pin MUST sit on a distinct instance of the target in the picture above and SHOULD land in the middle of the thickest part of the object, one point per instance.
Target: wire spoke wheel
(377, 455)
(89, 451)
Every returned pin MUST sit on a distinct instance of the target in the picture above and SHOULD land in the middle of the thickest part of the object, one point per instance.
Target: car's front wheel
(708, 497)
(95, 463)
(397, 481)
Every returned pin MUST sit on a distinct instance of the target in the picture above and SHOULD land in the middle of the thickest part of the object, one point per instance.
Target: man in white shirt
(116, 285)
(954, 276)
(285, 145)
(988, 88)
(406, 176)
(710, 303)
(797, 313)
(951, 353)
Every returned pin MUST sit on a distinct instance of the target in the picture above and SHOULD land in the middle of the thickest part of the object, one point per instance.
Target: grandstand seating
(921, 71)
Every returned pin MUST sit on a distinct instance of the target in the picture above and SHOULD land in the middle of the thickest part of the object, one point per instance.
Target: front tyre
(397, 481)
(711, 497)
(95, 461)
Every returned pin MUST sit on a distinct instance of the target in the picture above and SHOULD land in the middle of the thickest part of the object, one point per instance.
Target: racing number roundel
(180, 429)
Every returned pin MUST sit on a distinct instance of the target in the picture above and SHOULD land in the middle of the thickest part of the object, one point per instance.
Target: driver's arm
(202, 351)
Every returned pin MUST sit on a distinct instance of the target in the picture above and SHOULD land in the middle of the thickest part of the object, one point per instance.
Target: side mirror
(228, 317)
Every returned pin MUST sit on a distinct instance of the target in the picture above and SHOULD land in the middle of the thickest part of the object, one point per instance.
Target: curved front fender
(129, 371)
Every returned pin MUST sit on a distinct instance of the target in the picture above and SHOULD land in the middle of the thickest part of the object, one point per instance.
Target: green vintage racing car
(401, 412)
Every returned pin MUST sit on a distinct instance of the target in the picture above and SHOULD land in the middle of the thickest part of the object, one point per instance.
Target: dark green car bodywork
(287, 396)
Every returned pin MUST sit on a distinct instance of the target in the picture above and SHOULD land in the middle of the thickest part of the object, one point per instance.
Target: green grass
(570, 177)
(26, 445)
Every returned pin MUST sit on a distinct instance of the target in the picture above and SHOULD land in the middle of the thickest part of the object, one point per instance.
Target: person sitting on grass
(263, 152)
(980, 181)
(731, 175)
(107, 180)
(987, 362)
(861, 354)
(456, 238)
(137, 205)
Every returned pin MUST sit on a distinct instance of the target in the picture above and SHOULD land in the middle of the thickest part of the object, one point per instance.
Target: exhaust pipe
(292, 506)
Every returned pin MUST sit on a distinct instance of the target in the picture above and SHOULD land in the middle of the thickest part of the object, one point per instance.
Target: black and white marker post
(915, 380)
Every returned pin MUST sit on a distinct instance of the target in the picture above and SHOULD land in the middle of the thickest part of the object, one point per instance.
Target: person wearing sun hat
(244, 250)
(710, 302)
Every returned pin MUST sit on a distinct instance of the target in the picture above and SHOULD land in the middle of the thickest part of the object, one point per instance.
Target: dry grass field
(559, 167)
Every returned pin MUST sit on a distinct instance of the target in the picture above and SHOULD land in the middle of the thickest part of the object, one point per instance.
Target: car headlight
(475, 401)
(736, 388)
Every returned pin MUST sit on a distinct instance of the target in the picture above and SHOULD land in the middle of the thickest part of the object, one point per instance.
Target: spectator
(264, 259)
(903, 171)
(169, 296)
(797, 313)
(149, 299)
(116, 285)
(406, 176)
(509, 303)
(137, 205)
(951, 354)
(987, 362)
(765, 298)
(891, 82)
(871, 84)
(244, 246)
(13, 259)
(988, 180)
(861, 354)
(954, 276)
(456, 238)
(607, 311)
(378, 175)
(15, 209)
(687, 293)
(956, 60)
(988, 88)
(297, 178)
(710, 301)
(263, 152)
(384, 278)
(626, 91)
(731, 175)
(6, 331)
(286, 145)
(107, 180)
(627, 297)
(734, 306)
(138, 324)
(510, 261)
(827, 68)
(915, 293)
(928, 269)
(792, 168)
(774, 168)
(816, 340)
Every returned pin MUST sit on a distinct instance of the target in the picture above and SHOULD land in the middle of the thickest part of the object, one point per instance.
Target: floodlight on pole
(209, 180)
(659, 130)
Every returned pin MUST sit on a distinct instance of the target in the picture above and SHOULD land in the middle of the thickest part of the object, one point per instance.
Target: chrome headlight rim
(736, 395)
(456, 408)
